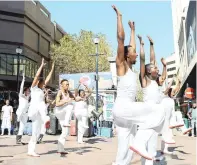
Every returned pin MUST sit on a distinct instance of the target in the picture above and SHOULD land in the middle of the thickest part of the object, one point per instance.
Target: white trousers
(151, 148)
(82, 126)
(62, 138)
(125, 138)
(6, 123)
(36, 127)
(64, 113)
(22, 122)
(148, 116)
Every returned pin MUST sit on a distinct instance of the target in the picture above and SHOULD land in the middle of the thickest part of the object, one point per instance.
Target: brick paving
(97, 151)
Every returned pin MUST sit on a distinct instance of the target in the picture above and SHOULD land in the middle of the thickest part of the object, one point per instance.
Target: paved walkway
(97, 151)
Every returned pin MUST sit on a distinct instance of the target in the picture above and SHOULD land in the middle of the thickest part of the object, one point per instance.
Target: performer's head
(130, 54)
(7, 102)
(65, 84)
(26, 91)
(81, 93)
(151, 70)
(41, 83)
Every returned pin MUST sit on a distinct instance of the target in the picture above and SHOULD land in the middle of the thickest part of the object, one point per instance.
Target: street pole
(17, 72)
(97, 77)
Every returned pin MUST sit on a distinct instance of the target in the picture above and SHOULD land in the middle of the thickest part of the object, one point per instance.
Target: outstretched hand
(131, 25)
(23, 75)
(163, 61)
(140, 39)
(43, 63)
(116, 10)
(150, 40)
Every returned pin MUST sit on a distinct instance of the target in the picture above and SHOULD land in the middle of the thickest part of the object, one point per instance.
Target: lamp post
(18, 52)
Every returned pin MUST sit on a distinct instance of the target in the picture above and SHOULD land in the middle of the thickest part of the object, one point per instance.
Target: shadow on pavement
(95, 140)
(10, 145)
(50, 141)
(76, 150)
(173, 149)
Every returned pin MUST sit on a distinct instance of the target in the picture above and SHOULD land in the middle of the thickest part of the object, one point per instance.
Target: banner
(108, 106)
(105, 80)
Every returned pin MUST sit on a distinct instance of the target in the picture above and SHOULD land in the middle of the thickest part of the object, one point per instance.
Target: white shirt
(7, 109)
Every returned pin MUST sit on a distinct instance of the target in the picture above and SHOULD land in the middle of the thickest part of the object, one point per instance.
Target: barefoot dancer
(81, 112)
(63, 111)
(125, 135)
(37, 106)
(126, 111)
(22, 110)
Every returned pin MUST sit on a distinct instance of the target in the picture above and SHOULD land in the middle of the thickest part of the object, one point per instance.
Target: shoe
(158, 158)
(33, 154)
(40, 139)
(187, 131)
(63, 152)
(18, 139)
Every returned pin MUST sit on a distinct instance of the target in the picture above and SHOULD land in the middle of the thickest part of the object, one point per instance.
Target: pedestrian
(192, 116)
(7, 111)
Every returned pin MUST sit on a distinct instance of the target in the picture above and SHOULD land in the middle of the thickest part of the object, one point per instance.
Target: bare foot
(131, 25)
(116, 10)
(140, 39)
(150, 40)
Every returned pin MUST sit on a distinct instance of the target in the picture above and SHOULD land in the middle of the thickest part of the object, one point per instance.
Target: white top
(151, 93)
(37, 95)
(6, 111)
(23, 103)
(127, 86)
(81, 104)
(168, 103)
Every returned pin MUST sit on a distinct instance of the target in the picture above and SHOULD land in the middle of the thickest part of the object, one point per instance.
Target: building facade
(26, 24)
(184, 26)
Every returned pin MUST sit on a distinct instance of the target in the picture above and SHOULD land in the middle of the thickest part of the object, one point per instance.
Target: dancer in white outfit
(63, 111)
(47, 103)
(81, 112)
(7, 111)
(126, 135)
(22, 110)
(151, 96)
(37, 107)
(126, 111)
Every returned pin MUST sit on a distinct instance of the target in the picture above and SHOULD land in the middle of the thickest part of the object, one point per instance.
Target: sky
(152, 18)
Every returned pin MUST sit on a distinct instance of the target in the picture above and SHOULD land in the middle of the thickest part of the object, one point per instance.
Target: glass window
(10, 65)
(2, 64)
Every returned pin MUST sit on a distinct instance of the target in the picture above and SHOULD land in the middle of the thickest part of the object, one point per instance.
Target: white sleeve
(2, 110)
(11, 109)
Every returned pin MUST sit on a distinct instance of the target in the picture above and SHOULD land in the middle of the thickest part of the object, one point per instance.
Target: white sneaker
(81, 142)
(33, 154)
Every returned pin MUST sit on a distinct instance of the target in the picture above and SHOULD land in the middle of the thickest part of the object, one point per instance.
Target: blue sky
(152, 18)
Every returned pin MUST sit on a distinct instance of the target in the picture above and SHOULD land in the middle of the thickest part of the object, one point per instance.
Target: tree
(73, 53)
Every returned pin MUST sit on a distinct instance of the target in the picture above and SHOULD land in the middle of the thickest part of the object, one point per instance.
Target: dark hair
(80, 90)
(63, 81)
(25, 89)
(169, 92)
(126, 50)
(147, 68)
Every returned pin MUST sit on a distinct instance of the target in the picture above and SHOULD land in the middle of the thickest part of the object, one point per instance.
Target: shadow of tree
(95, 140)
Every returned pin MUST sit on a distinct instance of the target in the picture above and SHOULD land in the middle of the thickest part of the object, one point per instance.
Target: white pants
(64, 113)
(6, 123)
(62, 138)
(148, 116)
(22, 122)
(151, 148)
(36, 127)
(82, 124)
(125, 138)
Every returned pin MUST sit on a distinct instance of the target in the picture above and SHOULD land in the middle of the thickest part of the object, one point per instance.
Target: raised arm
(88, 90)
(176, 89)
(50, 74)
(77, 90)
(132, 37)
(162, 78)
(36, 78)
(152, 51)
(169, 86)
(22, 85)
(120, 59)
(142, 63)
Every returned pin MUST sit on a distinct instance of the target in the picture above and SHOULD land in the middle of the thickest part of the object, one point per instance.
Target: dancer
(63, 111)
(47, 103)
(7, 111)
(126, 135)
(151, 95)
(37, 107)
(81, 112)
(22, 115)
(126, 111)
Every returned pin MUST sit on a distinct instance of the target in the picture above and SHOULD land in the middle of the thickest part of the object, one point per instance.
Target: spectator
(192, 116)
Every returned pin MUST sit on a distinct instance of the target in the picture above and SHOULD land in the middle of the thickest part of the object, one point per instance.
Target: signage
(189, 93)
(108, 106)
